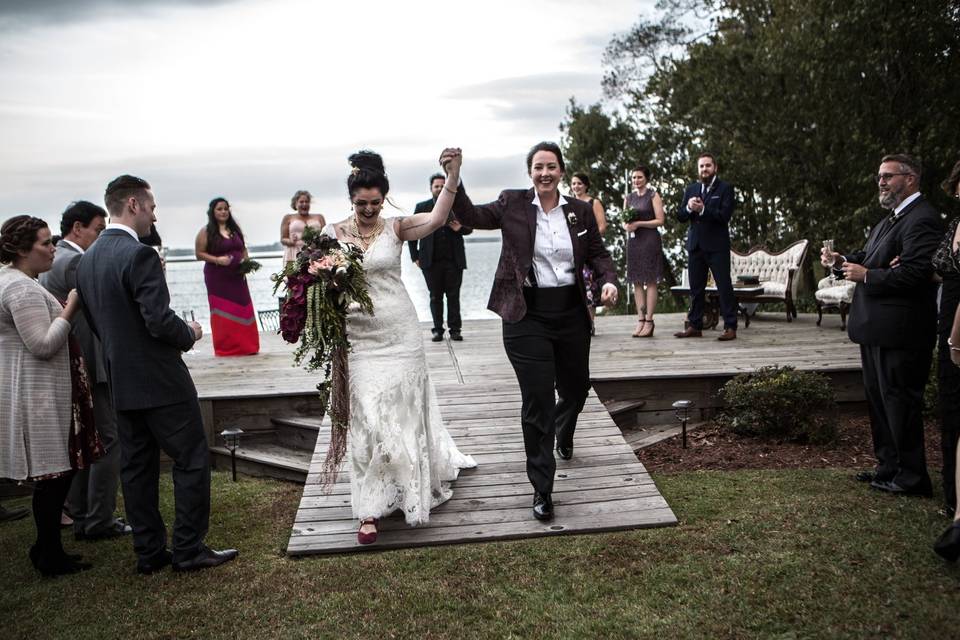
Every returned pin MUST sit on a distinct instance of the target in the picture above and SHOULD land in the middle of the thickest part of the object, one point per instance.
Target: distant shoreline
(185, 254)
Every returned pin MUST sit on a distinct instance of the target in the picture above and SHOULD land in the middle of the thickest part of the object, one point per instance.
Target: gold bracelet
(453, 191)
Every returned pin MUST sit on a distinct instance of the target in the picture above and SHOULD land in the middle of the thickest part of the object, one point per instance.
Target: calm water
(188, 293)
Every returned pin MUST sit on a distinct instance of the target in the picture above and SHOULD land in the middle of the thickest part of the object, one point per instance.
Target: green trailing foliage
(781, 403)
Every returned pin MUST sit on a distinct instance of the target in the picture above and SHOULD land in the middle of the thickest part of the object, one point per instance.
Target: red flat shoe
(367, 538)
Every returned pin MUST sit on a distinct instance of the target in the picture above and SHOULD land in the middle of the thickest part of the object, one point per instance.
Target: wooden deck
(603, 488)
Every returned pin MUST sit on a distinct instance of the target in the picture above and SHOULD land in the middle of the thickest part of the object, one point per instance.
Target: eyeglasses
(885, 177)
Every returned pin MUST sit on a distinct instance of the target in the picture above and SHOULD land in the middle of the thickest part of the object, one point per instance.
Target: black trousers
(177, 429)
(93, 495)
(718, 263)
(444, 279)
(550, 351)
(894, 380)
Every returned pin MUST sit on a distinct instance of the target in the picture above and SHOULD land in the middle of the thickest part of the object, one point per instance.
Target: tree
(799, 99)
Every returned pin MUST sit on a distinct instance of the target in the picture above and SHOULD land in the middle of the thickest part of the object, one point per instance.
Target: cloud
(27, 13)
(533, 99)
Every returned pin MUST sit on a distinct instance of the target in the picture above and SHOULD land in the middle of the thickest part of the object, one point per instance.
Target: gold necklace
(368, 239)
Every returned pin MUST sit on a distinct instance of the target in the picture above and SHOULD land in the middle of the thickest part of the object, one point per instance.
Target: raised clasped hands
(450, 159)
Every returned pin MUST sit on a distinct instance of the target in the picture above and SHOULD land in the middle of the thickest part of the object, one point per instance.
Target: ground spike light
(231, 438)
(682, 408)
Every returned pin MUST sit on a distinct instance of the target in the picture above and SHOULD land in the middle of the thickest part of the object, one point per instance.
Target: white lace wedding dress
(402, 456)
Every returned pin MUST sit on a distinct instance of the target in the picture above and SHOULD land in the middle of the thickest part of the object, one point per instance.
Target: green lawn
(784, 554)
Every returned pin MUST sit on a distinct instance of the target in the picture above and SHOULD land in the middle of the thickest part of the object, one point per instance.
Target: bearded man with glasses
(893, 318)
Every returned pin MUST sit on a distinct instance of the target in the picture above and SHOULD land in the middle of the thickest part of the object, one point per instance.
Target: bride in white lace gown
(402, 457)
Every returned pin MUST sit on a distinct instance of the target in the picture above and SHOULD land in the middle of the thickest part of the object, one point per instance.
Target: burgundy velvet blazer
(516, 216)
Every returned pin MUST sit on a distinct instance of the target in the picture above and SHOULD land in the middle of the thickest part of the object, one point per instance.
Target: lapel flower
(572, 219)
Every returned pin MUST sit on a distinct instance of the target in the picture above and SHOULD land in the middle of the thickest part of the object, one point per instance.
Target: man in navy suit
(708, 206)
(893, 317)
(442, 258)
(126, 301)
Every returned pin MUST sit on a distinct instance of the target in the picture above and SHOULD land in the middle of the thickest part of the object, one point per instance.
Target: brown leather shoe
(728, 334)
(689, 332)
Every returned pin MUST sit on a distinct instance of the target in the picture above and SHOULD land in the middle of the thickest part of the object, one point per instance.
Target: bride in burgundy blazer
(539, 292)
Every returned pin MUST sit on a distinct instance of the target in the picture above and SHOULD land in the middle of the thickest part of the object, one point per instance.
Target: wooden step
(270, 460)
(297, 433)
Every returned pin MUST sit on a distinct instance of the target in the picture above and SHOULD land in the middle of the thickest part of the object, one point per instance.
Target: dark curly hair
(367, 173)
(18, 234)
(950, 184)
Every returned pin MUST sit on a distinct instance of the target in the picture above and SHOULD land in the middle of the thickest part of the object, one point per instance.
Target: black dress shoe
(154, 563)
(60, 565)
(542, 507)
(455, 335)
(206, 559)
(947, 545)
(889, 486)
(117, 529)
(565, 452)
(866, 475)
(437, 337)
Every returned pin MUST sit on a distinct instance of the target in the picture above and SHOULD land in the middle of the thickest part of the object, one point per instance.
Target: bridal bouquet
(324, 281)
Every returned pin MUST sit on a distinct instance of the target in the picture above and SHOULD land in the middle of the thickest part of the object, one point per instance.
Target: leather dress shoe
(542, 507)
(947, 545)
(437, 337)
(728, 334)
(456, 335)
(565, 452)
(206, 558)
(867, 475)
(689, 332)
(117, 529)
(154, 563)
(889, 486)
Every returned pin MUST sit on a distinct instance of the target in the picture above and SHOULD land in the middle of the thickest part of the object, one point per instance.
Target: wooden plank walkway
(604, 487)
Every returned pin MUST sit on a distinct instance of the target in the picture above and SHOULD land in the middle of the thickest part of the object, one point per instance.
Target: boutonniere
(572, 219)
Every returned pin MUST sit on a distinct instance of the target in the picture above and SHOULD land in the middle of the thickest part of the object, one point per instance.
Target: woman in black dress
(643, 208)
(947, 263)
(580, 186)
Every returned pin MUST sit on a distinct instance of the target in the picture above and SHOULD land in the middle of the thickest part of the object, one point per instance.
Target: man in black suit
(442, 258)
(893, 318)
(708, 206)
(93, 492)
(125, 300)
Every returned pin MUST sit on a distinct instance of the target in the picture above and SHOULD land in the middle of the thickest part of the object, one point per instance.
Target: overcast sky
(254, 99)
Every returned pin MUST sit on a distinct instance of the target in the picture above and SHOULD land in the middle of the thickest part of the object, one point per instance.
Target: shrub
(780, 402)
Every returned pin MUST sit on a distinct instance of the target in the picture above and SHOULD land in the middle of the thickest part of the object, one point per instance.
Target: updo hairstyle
(19, 233)
(582, 177)
(296, 196)
(367, 173)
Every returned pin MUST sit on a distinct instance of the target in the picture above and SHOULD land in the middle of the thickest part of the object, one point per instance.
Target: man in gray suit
(126, 301)
(93, 492)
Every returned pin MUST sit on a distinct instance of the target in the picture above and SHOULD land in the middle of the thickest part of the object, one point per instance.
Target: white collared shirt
(906, 201)
(117, 225)
(553, 248)
(74, 245)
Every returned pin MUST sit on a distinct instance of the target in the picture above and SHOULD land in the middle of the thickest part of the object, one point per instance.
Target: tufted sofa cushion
(830, 291)
(772, 269)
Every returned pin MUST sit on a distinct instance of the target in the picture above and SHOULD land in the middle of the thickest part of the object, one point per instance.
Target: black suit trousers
(177, 429)
(444, 279)
(718, 262)
(948, 384)
(894, 380)
(549, 350)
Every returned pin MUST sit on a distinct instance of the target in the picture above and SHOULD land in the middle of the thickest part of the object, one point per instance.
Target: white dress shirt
(553, 248)
(74, 245)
